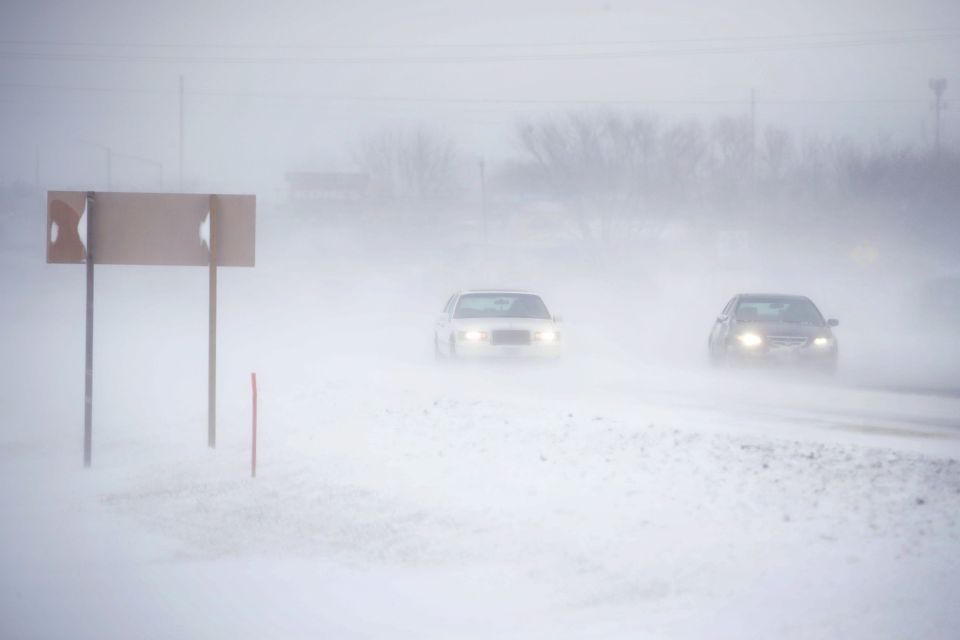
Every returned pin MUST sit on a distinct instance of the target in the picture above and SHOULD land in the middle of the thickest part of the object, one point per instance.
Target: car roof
(767, 296)
(493, 291)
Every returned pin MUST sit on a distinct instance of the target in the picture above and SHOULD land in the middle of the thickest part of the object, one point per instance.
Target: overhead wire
(474, 45)
(563, 56)
(454, 100)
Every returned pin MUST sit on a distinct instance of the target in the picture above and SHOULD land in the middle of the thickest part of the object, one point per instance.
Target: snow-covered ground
(611, 495)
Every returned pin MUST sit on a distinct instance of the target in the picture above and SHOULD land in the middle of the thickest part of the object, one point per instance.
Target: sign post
(150, 229)
(88, 357)
(212, 340)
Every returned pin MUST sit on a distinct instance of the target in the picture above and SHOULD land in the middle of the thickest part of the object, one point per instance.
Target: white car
(496, 323)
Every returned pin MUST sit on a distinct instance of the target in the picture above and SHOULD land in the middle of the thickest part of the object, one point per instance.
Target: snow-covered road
(605, 496)
(494, 502)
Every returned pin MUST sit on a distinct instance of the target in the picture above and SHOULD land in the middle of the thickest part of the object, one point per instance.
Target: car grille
(509, 336)
(786, 341)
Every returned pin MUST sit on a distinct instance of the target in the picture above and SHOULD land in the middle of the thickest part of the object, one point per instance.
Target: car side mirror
(721, 318)
(833, 322)
(557, 319)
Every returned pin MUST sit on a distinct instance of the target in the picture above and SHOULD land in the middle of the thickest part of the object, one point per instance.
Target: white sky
(302, 113)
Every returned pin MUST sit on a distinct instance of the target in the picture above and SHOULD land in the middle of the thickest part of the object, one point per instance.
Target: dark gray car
(779, 329)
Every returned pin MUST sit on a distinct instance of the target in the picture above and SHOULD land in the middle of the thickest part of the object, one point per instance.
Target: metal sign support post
(212, 354)
(88, 386)
(168, 229)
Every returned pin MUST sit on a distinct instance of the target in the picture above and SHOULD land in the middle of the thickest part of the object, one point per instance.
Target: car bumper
(810, 357)
(485, 350)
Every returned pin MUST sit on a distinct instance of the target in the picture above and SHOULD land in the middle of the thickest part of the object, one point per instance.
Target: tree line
(611, 172)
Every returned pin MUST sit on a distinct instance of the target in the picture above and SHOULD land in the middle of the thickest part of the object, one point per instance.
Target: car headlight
(473, 335)
(546, 336)
(750, 339)
(822, 341)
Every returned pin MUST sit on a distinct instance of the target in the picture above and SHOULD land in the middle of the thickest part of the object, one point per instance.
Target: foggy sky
(351, 67)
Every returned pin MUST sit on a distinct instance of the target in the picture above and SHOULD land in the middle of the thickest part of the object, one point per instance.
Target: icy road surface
(604, 497)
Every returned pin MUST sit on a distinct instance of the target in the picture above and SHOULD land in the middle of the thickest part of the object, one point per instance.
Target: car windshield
(501, 305)
(788, 310)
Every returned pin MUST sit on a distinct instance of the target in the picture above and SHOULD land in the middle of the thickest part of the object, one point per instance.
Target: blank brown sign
(151, 228)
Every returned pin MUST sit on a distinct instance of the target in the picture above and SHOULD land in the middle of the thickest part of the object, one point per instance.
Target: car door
(721, 327)
(443, 327)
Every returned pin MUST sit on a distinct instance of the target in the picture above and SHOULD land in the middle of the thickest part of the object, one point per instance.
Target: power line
(488, 58)
(66, 87)
(449, 100)
(489, 45)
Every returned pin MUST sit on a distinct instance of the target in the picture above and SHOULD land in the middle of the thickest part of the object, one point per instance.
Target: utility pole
(938, 86)
(180, 145)
(483, 197)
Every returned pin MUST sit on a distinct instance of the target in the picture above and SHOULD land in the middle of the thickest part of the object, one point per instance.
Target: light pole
(150, 161)
(753, 134)
(111, 154)
(109, 161)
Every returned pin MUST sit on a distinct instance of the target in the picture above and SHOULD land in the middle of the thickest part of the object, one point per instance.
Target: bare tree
(777, 153)
(811, 175)
(732, 158)
(596, 163)
(683, 154)
(412, 169)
